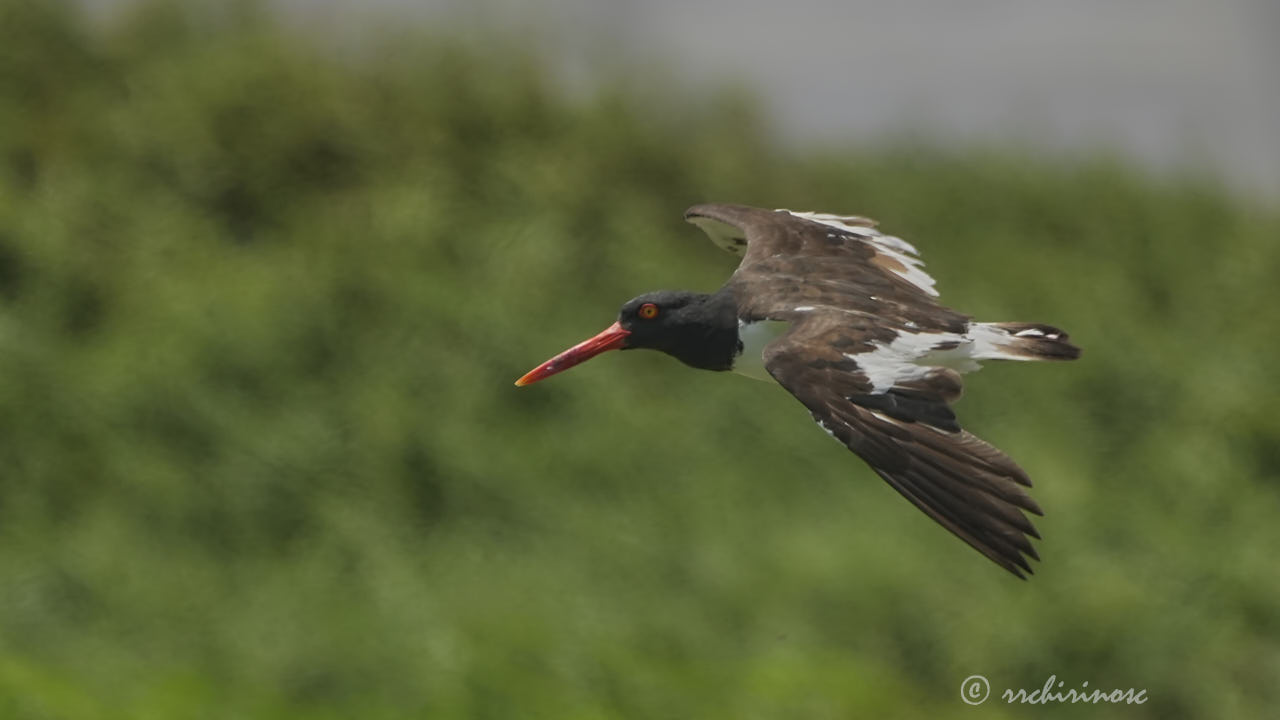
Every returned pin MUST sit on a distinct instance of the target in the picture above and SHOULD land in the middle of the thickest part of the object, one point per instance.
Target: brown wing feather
(791, 262)
(910, 437)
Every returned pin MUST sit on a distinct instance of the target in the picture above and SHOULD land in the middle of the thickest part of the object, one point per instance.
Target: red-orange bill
(612, 338)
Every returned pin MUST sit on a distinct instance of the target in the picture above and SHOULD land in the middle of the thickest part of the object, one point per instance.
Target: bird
(846, 319)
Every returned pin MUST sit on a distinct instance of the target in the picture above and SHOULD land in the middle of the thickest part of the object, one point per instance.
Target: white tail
(1020, 341)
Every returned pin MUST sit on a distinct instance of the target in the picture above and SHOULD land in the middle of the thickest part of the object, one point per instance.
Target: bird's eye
(648, 311)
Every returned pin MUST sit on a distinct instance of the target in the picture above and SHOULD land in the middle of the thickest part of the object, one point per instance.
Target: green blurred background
(262, 303)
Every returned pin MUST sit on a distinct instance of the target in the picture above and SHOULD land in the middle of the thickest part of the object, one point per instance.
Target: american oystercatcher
(846, 319)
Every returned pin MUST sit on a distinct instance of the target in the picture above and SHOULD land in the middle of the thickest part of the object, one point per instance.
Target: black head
(698, 329)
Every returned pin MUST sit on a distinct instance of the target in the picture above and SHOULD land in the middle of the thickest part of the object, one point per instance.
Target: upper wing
(908, 434)
(807, 260)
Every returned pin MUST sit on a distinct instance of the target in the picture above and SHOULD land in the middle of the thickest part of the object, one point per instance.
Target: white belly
(754, 336)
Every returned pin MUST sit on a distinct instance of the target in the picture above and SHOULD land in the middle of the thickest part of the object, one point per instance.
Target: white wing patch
(856, 224)
(902, 360)
(911, 356)
(894, 248)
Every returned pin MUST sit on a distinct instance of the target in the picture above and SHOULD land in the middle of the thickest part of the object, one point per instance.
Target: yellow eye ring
(648, 311)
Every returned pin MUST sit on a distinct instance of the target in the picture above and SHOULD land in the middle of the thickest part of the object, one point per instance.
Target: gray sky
(1170, 83)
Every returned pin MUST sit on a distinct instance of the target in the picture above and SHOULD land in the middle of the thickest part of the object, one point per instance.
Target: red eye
(648, 311)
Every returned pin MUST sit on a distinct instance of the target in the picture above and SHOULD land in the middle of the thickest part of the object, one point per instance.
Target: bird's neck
(708, 336)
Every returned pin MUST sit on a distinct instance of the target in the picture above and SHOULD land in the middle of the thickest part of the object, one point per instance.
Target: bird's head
(692, 327)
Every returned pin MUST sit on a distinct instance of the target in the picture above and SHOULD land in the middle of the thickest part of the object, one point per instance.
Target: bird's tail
(1020, 341)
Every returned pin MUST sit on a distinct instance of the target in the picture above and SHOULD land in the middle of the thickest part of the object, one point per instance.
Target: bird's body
(845, 318)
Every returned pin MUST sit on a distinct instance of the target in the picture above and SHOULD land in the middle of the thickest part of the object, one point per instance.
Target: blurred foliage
(261, 306)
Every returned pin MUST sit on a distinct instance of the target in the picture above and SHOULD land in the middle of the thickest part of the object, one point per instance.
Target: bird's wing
(796, 260)
(895, 415)
(865, 353)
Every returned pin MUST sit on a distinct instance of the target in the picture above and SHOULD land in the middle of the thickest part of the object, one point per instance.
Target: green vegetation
(260, 312)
